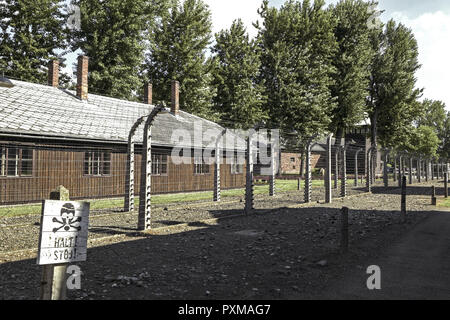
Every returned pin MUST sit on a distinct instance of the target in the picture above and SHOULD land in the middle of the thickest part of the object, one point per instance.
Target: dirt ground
(285, 250)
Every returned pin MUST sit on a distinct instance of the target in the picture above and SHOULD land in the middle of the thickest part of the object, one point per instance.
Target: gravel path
(22, 232)
(416, 267)
(284, 253)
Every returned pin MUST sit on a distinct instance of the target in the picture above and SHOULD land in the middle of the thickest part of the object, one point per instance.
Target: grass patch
(444, 203)
(281, 186)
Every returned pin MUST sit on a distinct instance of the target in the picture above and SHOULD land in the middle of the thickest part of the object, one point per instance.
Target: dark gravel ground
(22, 232)
(284, 253)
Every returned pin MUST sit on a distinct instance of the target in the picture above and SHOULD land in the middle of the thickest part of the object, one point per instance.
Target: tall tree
(239, 96)
(298, 46)
(352, 63)
(31, 32)
(114, 34)
(392, 102)
(178, 52)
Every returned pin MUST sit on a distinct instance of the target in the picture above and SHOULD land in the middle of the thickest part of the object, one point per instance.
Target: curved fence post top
(310, 139)
(371, 149)
(156, 110)
(135, 126)
(147, 118)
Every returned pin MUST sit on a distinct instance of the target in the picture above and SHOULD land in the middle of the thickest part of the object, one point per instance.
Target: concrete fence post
(419, 170)
(432, 171)
(404, 200)
(328, 191)
(433, 196)
(400, 162)
(356, 167)
(129, 179)
(145, 212)
(395, 170)
(216, 194)
(308, 178)
(218, 162)
(438, 173)
(130, 173)
(446, 184)
(373, 166)
(404, 166)
(369, 171)
(145, 192)
(249, 186)
(344, 172)
(336, 167)
(272, 186)
(411, 163)
(385, 169)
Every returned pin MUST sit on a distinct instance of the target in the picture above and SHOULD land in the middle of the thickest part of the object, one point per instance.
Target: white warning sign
(64, 232)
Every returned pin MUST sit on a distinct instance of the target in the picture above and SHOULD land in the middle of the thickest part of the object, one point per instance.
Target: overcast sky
(429, 20)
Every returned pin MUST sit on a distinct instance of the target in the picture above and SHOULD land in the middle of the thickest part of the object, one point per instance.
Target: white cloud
(432, 32)
(224, 12)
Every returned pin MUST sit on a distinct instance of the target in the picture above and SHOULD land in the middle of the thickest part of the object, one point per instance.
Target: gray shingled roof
(29, 108)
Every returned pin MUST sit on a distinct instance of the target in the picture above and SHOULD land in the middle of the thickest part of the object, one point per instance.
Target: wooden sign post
(63, 240)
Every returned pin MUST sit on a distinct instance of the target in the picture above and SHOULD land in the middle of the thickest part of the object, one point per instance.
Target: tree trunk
(374, 139)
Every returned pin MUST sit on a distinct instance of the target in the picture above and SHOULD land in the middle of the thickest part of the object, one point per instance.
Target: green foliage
(30, 34)
(434, 115)
(393, 104)
(239, 97)
(113, 35)
(352, 62)
(298, 45)
(445, 138)
(178, 52)
(422, 140)
(309, 71)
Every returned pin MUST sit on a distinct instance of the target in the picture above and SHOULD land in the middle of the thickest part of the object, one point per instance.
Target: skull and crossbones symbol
(68, 219)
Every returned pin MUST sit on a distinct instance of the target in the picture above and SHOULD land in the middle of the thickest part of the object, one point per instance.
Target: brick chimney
(53, 73)
(175, 106)
(148, 93)
(82, 77)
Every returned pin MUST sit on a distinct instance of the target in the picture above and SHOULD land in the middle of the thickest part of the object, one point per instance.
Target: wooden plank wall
(61, 166)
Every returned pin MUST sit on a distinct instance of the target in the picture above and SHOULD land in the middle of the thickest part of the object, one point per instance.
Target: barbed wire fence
(31, 167)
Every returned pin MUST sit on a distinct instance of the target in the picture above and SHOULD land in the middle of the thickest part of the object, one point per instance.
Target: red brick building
(290, 162)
